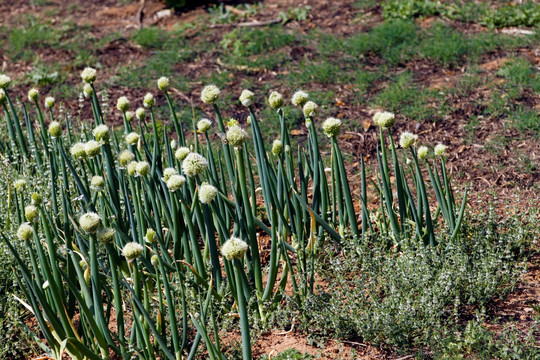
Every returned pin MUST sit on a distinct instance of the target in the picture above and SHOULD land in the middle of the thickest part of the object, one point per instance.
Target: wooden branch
(248, 24)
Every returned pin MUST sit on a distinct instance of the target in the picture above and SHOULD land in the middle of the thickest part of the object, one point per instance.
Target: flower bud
(129, 116)
(25, 232)
(88, 91)
(277, 147)
(204, 125)
(140, 114)
(194, 164)
(300, 98)
(207, 193)
(440, 150)
(77, 150)
(97, 183)
(88, 75)
(49, 102)
(101, 133)
(176, 182)
(150, 235)
(55, 129)
(4, 81)
(423, 152)
(210, 94)
(33, 95)
(181, 153)
(234, 248)
(236, 136)
(20, 185)
(122, 104)
(148, 101)
(143, 168)
(174, 144)
(30, 213)
(90, 222)
(275, 100)
(36, 199)
(407, 139)
(246, 98)
(125, 157)
(310, 109)
(132, 168)
(92, 148)
(154, 260)
(132, 138)
(2, 96)
(384, 119)
(132, 251)
(168, 172)
(105, 235)
(332, 127)
(163, 83)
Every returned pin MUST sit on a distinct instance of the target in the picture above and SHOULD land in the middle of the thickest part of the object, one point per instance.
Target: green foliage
(511, 14)
(151, 37)
(290, 354)
(414, 297)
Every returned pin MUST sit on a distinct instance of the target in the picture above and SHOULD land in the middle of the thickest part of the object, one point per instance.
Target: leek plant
(139, 235)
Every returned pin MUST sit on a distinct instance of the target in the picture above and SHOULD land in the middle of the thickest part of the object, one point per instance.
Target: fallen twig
(248, 24)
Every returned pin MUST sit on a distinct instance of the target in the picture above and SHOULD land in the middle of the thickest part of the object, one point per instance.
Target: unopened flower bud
(25, 232)
(236, 136)
(101, 133)
(163, 83)
(30, 213)
(423, 152)
(384, 119)
(148, 101)
(332, 127)
(4, 81)
(140, 114)
(440, 150)
(105, 235)
(407, 139)
(277, 147)
(20, 185)
(181, 153)
(132, 138)
(310, 109)
(246, 98)
(132, 168)
(125, 157)
(143, 168)
(176, 182)
(207, 193)
(129, 116)
(275, 100)
(33, 95)
(168, 172)
(122, 104)
(210, 94)
(92, 148)
(234, 248)
(194, 164)
(49, 102)
(150, 235)
(88, 91)
(89, 75)
(300, 98)
(36, 199)
(55, 129)
(97, 183)
(204, 125)
(90, 222)
(132, 251)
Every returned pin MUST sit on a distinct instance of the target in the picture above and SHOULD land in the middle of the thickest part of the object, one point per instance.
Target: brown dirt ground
(489, 173)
